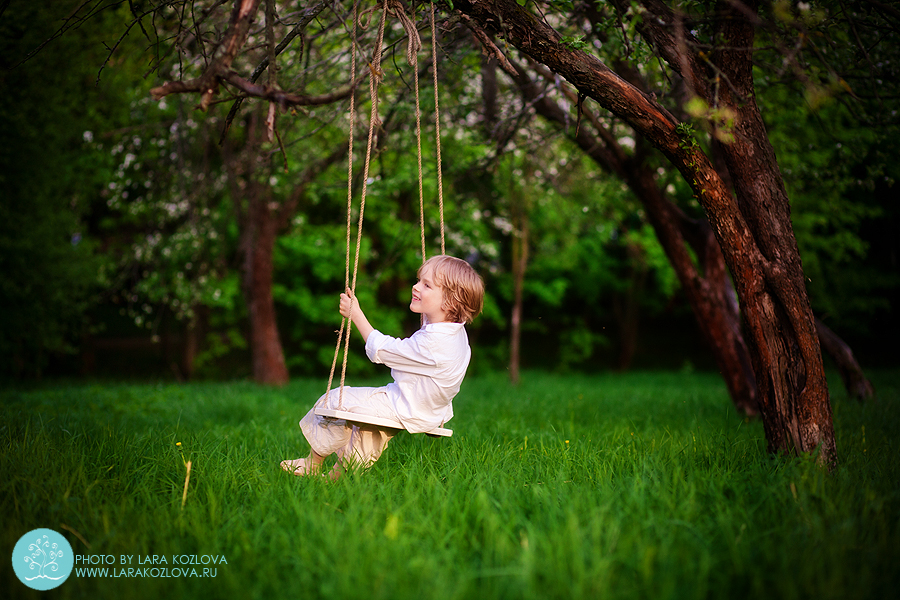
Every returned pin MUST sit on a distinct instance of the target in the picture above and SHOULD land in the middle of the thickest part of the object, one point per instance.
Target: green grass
(644, 486)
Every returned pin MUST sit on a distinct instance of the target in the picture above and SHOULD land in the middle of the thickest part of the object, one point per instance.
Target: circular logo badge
(43, 559)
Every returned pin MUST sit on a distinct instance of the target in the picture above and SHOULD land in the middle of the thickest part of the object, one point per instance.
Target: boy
(428, 368)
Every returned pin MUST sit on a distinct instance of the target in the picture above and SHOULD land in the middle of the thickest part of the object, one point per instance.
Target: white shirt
(428, 368)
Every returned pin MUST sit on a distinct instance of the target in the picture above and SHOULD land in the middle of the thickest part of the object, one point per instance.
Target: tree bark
(520, 214)
(785, 348)
(265, 342)
(753, 231)
(489, 93)
(257, 233)
(519, 266)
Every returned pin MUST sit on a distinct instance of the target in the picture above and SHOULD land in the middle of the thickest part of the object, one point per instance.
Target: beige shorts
(355, 444)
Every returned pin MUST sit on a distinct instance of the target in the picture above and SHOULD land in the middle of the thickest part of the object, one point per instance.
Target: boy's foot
(300, 467)
(336, 471)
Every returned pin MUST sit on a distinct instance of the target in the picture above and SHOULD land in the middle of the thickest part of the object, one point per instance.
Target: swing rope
(413, 46)
(437, 128)
(437, 132)
(374, 79)
(415, 69)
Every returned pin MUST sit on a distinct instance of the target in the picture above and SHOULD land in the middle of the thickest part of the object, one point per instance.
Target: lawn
(644, 486)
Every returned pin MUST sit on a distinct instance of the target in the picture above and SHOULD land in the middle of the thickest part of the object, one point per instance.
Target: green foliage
(720, 119)
(50, 176)
(574, 43)
(839, 175)
(688, 136)
(152, 191)
(310, 258)
(644, 486)
(588, 245)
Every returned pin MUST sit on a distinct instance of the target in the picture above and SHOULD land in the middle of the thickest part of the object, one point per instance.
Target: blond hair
(461, 286)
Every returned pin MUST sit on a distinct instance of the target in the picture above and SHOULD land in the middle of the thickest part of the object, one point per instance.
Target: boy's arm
(422, 353)
(358, 317)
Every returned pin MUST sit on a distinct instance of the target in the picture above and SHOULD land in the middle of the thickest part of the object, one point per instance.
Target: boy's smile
(428, 298)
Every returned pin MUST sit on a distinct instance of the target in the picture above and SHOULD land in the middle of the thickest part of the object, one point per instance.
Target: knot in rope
(414, 42)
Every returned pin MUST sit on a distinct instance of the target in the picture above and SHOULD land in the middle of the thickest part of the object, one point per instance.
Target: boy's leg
(324, 437)
(353, 445)
(366, 444)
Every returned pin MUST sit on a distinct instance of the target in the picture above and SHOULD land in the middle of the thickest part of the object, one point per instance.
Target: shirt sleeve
(410, 354)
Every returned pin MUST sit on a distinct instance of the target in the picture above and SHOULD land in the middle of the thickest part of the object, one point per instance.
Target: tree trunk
(265, 342)
(852, 374)
(519, 266)
(489, 93)
(785, 348)
(258, 229)
(260, 219)
(627, 309)
(754, 231)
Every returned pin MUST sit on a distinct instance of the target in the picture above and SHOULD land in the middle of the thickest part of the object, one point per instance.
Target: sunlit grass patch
(639, 486)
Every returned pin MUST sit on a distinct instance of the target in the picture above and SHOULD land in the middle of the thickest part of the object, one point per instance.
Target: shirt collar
(448, 327)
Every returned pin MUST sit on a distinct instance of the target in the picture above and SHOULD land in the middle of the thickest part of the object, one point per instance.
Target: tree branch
(306, 17)
(286, 99)
(207, 84)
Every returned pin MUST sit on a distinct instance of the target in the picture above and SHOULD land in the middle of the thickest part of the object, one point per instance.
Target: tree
(261, 216)
(182, 197)
(752, 225)
(707, 286)
(709, 54)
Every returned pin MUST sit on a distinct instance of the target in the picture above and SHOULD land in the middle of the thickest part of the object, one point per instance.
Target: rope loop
(364, 19)
(414, 42)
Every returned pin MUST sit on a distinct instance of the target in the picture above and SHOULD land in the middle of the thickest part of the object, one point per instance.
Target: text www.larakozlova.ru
(145, 572)
(183, 570)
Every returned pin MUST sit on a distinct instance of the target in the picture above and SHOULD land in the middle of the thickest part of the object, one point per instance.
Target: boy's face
(428, 298)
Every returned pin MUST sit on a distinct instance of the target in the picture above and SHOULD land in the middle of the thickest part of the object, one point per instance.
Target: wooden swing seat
(330, 413)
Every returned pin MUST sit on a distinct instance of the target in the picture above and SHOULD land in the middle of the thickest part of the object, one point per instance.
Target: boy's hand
(357, 316)
(348, 302)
